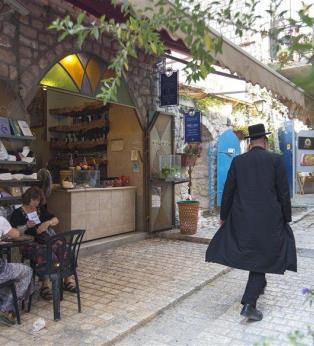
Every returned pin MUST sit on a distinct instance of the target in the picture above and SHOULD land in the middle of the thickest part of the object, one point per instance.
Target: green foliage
(193, 149)
(296, 337)
(241, 108)
(140, 33)
(241, 129)
(209, 101)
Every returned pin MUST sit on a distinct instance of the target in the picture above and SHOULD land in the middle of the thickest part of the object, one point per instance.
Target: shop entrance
(161, 192)
(94, 151)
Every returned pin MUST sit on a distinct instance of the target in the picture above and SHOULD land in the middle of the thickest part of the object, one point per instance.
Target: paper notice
(33, 217)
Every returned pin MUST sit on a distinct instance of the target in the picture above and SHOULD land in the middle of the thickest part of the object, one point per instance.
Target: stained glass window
(79, 73)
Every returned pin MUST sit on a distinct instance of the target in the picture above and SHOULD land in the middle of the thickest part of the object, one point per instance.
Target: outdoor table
(7, 244)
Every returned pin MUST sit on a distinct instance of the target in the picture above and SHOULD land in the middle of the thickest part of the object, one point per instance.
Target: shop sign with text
(169, 89)
(192, 127)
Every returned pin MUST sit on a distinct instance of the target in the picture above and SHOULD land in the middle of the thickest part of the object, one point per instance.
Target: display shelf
(17, 163)
(78, 111)
(20, 138)
(10, 200)
(170, 180)
(77, 145)
(98, 124)
(19, 182)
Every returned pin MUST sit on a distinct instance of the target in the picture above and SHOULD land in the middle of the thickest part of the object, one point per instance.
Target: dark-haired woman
(34, 219)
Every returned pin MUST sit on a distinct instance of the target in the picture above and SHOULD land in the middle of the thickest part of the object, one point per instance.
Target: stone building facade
(28, 50)
(204, 177)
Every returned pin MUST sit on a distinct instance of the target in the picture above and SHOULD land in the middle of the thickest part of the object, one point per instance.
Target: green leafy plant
(193, 149)
(192, 152)
(139, 32)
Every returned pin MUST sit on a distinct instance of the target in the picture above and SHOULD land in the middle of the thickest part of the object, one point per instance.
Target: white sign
(33, 217)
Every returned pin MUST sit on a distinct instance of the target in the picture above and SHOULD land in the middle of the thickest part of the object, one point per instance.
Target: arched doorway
(77, 133)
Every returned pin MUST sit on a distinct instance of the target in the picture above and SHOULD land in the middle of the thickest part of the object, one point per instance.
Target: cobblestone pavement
(210, 317)
(304, 232)
(306, 200)
(121, 288)
(208, 226)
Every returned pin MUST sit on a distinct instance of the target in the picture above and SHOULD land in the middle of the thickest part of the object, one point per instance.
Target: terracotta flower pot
(188, 216)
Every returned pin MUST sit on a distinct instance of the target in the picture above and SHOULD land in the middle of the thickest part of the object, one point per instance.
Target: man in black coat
(255, 212)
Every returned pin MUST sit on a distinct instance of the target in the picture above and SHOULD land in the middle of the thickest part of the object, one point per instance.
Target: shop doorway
(74, 129)
(161, 192)
(228, 147)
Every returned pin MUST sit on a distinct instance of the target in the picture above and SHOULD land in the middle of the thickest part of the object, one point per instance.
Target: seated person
(34, 201)
(19, 273)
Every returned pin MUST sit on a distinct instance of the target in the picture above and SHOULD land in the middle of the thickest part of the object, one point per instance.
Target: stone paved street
(211, 317)
(207, 227)
(125, 289)
(121, 288)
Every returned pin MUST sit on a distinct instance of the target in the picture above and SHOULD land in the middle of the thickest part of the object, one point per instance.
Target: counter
(101, 211)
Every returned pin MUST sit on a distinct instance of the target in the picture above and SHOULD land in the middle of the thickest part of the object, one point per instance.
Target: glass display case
(170, 167)
(86, 178)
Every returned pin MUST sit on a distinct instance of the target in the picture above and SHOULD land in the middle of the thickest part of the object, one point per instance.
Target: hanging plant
(192, 152)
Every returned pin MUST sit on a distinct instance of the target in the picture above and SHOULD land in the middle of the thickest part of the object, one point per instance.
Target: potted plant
(188, 209)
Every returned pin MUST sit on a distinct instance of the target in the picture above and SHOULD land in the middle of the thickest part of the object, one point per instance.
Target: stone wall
(204, 173)
(28, 50)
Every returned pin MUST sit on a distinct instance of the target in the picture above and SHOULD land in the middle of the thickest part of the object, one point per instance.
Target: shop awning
(233, 57)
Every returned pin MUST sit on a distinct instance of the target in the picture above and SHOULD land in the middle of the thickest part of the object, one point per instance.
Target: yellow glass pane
(93, 73)
(57, 77)
(73, 65)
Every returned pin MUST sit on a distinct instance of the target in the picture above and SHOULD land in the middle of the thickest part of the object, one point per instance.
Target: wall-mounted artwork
(307, 160)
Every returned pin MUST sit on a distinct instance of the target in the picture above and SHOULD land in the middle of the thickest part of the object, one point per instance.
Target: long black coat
(256, 209)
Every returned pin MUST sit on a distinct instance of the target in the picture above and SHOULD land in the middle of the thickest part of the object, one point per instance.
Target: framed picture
(307, 160)
(37, 110)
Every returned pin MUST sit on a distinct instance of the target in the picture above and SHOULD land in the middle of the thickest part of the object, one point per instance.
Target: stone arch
(43, 66)
(32, 76)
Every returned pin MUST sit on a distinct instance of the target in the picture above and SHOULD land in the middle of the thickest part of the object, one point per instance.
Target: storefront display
(170, 167)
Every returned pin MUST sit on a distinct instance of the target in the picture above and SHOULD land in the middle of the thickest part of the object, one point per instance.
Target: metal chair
(69, 264)
(60, 262)
(10, 284)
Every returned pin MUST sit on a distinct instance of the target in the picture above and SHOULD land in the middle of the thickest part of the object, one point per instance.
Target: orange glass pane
(93, 73)
(73, 66)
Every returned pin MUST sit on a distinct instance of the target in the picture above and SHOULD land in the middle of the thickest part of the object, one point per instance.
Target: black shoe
(263, 289)
(251, 313)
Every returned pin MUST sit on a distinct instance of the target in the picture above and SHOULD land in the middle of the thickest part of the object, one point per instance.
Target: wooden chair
(304, 178)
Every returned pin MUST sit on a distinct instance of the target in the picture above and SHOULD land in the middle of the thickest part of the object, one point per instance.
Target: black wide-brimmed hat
(257, 131)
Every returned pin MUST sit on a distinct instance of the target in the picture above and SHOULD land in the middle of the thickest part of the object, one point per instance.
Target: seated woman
(19, 273)
(34, 219)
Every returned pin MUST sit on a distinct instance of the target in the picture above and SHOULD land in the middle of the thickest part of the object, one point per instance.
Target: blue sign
(169, 89)
(192, 127)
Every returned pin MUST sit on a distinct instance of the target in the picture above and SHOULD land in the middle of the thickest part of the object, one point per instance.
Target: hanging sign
(192, 127)
(169, 89)
(306, 143)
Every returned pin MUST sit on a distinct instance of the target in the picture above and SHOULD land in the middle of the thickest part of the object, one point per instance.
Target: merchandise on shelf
(170, 167)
